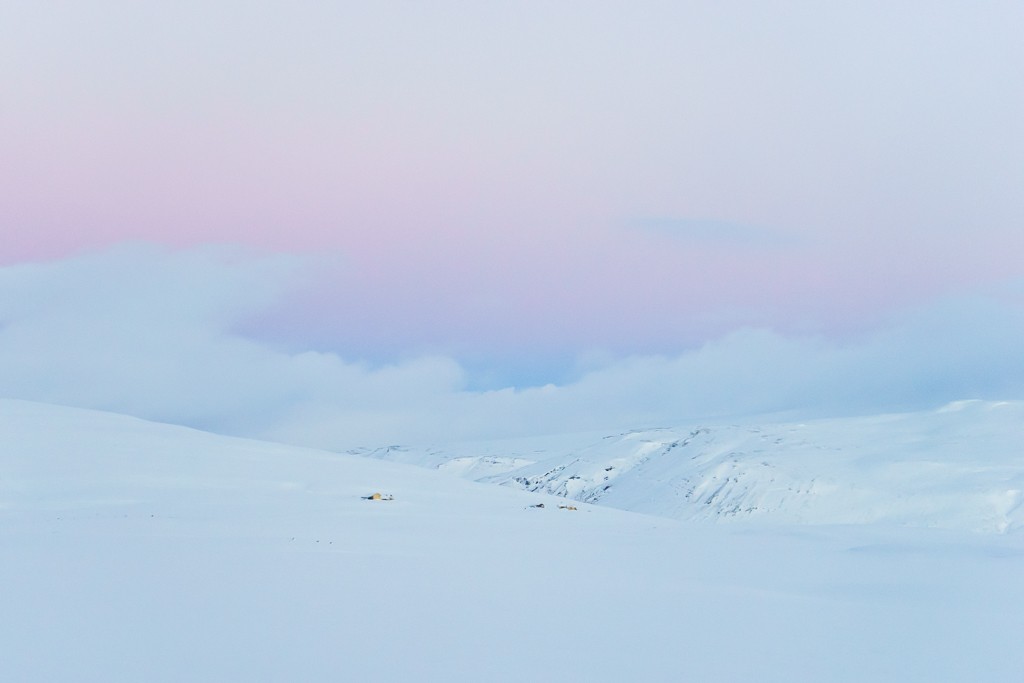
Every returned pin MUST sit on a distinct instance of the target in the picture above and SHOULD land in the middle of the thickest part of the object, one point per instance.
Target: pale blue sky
(528, 190)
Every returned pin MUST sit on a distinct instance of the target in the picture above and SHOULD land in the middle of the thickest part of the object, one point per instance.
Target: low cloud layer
(153, 333)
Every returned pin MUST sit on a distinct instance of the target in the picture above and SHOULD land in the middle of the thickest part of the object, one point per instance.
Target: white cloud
(149, 332)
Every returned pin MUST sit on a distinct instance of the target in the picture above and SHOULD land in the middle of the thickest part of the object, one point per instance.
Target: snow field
(142, 552)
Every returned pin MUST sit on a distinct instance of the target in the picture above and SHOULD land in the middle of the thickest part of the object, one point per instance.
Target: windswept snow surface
(961, 467)
(132, 551)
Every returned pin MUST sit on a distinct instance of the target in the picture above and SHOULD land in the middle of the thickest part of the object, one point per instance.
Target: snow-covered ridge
(961, 466)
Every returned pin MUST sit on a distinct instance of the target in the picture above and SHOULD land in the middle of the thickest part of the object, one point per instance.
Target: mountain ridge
(960, 466)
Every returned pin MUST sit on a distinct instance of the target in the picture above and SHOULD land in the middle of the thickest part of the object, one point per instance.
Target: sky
(450, 203)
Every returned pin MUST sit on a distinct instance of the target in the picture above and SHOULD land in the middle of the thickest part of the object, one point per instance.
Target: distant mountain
(961, 466)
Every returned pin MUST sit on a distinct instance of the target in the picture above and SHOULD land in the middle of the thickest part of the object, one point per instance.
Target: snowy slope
(134, 552)
(958, 467)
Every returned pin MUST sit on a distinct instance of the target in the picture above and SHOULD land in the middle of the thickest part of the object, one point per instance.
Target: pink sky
(474, 179)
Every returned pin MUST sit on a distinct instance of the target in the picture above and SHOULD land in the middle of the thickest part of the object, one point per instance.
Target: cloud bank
(156, 333)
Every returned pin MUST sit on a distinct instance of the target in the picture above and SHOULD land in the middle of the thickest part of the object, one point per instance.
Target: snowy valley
(135, 551)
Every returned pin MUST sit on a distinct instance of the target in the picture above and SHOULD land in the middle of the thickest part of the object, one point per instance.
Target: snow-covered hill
(958, 467)
(132, 551)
